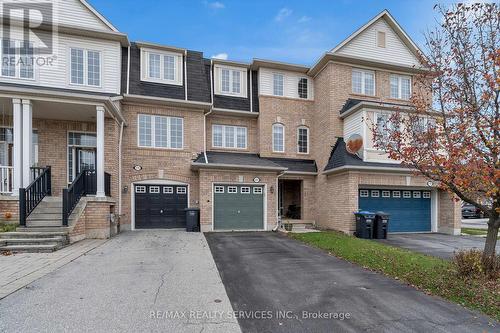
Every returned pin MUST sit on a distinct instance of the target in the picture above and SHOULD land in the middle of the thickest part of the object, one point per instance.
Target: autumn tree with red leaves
(453, 135)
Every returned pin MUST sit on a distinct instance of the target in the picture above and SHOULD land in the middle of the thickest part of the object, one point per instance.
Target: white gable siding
(365, 46)
(353, 124)
(291, 81)
(58, 75)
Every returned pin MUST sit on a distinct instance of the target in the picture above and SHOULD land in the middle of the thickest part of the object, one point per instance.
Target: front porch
(296, 201)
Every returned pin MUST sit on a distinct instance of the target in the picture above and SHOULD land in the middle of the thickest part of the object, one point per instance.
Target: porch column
(27, 140)
(18, 148)
(100, 152)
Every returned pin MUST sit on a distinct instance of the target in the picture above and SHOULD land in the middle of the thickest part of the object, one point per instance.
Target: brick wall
(94, 222)
(9, 206)
(450, 214)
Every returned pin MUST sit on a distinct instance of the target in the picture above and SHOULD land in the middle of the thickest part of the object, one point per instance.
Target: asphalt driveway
(438, 245)
(141, 281)
(281, 285)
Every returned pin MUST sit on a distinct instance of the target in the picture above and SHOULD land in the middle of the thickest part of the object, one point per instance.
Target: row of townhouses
(109, 132)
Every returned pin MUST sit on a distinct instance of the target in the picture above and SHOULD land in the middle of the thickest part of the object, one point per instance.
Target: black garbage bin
(364, 224)
(381, 225)
(192, 219)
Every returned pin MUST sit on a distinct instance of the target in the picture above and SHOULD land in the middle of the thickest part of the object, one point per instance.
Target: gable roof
(98, 15)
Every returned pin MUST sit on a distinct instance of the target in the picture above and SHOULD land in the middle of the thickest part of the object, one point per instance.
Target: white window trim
(417, 195)
(308, 85)
(386, 194)
(284, 142)
(168, 190)
(17, 56)
(85, 68)
(181, 190)
(308, 139)
(406, 194)
(284, 80)
(375, 193)
(154, 189)
(219, 189)
(396, 194)
(247, 190)
(364, 193)
(153, 129)
(243, 80)
(363, 88)
(426, 195)
(400, 86)
(232, 189)
(224, 146)
(257, 190)
(179, 67)
(140, 189)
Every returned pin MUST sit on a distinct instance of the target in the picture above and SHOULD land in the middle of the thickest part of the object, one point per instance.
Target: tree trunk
(491, 237)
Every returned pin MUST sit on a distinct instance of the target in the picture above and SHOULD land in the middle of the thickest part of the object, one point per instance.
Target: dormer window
(400, 86)
(363, 82)
(230, 81)
(161, 66)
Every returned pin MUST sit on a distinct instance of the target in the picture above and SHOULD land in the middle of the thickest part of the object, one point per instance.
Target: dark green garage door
(410, 210)
(238, 207)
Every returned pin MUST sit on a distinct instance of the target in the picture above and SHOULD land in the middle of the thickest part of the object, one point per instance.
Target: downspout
(120, 171)
(206, 114)
(278, 217)
(185, 76)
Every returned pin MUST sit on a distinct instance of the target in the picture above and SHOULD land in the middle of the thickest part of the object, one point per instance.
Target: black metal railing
(32, 195)
(35, 172)
(84, 184)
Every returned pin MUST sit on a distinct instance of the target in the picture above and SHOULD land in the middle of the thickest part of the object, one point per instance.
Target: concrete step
(300, 224)
(47, 210)
(32, 233)
(49, 229)
(43, 248)
(43, 224)
(52, 199)
(49, 205)
(34, 241)
(36, 215)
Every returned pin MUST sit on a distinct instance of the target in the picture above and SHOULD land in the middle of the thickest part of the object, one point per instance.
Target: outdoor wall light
(125, 189)
(271, 189)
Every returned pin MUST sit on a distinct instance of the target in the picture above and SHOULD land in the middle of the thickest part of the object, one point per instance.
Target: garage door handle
(161, 211)
(239, 211)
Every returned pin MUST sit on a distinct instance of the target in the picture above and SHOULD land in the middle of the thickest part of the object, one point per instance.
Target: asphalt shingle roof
(350, 102)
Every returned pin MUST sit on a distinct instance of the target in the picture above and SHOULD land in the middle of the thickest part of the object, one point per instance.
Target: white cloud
(215, 5)
(222, 56)
(304, 19)
(282, 14)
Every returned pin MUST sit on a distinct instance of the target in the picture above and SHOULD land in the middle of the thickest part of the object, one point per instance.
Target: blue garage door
(410, 210)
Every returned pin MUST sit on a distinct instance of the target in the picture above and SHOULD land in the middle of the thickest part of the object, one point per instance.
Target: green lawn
(429, 274)
(6, 227)
(475, 232)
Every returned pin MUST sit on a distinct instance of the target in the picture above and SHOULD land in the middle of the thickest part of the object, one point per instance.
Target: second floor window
(278, 84)
(229, 137)
(400, 86)
(17, 59)
(302, 88)
(160, 131)
(363, 82)
(278, 138)
(303, 140)
(85, 67)
(161, 67)
(231, 81)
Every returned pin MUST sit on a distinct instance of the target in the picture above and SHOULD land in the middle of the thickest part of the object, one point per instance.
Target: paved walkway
(19, 270)
(141, 281)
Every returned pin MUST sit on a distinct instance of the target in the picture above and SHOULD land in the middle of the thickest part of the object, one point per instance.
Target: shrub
(470, 263)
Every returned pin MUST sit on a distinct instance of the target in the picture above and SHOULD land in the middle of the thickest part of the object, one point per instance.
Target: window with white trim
(396, 194)
(303, 140)
(140, 189)
(17, 59)
(302, 87)
(181, 190)
(160, 131)
(154, 189)
(224, 136)
(406, 194)
(400, 86)
(386, 194)
(219, 189)
(375, 193)
(85, 67)
(232, 189)
(161, 66)
(257, 190)
(363, 82)
(278, 84)
(278, 138)
(364, 193)
(168, 190)
(417, 194)
(231, 81)
(245, 190)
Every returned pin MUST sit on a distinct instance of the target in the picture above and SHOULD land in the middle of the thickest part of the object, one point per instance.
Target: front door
(81, 159)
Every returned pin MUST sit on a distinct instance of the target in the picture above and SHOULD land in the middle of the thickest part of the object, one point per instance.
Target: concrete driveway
(282, 285)
(438, 245)
(141, 281)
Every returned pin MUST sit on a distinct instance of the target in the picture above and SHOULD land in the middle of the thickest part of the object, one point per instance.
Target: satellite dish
(354, 145)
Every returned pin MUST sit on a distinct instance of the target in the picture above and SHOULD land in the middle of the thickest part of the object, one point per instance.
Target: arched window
(278, 138)
(303, 140)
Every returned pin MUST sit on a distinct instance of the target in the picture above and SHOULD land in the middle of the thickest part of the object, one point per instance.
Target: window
(231, 81)
(85, 67)
(406, 194)
(400, 86)
(417, 194)
(302, 88)
(168, 190)
(229, 137)
(380, 39)
(386, 194)
(232, 189)
(426, 195)
(219, 189)
(160, 131)
(140, 189)
(278, 84)
(181, 190)
(363, 82)
(278, 138)
(161, 67)
(303, 140)
(375, 194)
(396, 194)
(245, 190)
(17, 59)
(257, 190)
(154, 189)
(382, 126)
(363, 193)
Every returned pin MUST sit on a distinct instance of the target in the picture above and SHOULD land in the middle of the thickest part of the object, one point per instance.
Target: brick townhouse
(135, 132)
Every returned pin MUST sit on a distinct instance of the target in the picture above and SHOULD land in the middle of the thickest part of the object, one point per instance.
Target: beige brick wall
(94, 222)
(450, 213)
(9, 210)
(208, 177)
(160, 164)
(249, 123)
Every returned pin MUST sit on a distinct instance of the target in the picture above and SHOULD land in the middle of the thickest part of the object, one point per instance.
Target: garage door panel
(238, 211)
(410, 214)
